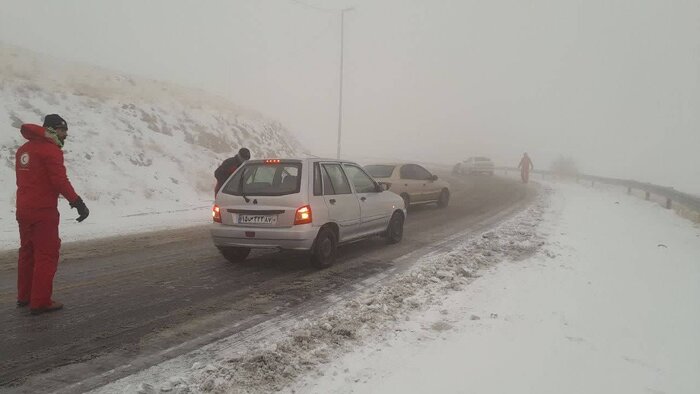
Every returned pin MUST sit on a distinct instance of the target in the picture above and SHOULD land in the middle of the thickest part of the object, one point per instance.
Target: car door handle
(332, 201)
(363, 198)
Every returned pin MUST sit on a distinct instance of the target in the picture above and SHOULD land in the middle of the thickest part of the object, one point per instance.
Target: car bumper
(299, 237)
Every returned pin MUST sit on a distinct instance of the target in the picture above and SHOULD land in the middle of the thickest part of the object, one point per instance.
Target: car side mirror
(434, 178)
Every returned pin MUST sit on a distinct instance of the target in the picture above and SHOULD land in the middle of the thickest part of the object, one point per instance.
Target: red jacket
(41, 175)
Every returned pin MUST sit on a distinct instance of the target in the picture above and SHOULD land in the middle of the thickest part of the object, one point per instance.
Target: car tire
(234, 254)
(394, 232)
(406, 200)
(444, 199)
(325, 249)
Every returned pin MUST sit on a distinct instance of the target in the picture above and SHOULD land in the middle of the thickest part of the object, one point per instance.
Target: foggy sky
(613, 84)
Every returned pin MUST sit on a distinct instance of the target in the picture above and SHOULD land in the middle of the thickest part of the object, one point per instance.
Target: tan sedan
(413, 183)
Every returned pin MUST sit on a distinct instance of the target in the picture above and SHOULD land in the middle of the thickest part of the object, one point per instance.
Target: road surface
(128, 298)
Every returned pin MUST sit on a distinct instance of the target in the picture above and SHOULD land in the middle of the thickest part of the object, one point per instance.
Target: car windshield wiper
(241, 185)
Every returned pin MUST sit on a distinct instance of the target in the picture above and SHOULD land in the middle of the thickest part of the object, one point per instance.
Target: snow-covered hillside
(134, 145)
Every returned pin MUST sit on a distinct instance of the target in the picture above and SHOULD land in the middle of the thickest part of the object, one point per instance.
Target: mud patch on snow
(441, 325)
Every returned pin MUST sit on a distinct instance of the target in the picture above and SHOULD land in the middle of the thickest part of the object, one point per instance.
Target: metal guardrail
(670, 194)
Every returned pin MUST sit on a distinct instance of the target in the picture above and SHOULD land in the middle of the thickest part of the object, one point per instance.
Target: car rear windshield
(482, 159)
(380, 171)
(265, 179)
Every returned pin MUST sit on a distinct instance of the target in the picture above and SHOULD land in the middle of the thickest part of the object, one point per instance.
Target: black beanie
(244, 153)
(55, 122)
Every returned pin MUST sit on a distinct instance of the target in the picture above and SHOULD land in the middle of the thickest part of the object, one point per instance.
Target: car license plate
(257, 219)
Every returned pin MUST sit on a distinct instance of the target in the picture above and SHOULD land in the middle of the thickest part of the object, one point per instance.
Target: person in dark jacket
(41, 178)
(229, 166)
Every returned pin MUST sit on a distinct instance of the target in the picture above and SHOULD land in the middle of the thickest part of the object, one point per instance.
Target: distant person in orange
(525, 167)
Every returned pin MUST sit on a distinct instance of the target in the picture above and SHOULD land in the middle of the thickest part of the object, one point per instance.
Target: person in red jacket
(525, 167)
(41, 178)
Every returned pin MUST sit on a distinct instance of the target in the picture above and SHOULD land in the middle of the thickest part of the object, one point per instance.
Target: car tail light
(272, 161)
(303, 215)
(216, 213)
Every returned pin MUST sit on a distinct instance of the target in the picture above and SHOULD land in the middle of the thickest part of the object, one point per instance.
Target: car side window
(362, 182)
(407, 172)
(421, 173)
(334, 176)
(327, 184)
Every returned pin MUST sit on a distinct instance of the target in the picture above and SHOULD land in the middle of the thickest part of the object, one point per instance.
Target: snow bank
(607, 305)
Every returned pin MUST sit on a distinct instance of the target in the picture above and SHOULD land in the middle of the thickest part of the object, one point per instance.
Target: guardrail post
(646, 196)
(669, 204)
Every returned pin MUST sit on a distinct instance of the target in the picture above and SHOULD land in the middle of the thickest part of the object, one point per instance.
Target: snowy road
(130, 298)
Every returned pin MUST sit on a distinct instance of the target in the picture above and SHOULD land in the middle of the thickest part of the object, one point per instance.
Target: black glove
(83, 210)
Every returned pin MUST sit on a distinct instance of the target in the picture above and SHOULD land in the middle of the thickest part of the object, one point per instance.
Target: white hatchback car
(477, 165)
(302, 204)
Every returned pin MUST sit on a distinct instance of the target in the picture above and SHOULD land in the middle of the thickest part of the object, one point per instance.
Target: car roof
(393, 164)
(300, 160)
(477, 158)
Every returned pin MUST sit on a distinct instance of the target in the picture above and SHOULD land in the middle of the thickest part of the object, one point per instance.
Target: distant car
(477, 165)
(413, 183)
(302, 204)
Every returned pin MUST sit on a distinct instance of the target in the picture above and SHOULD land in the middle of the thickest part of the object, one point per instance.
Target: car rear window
(380, 171)
(482, 159)
(265, 179)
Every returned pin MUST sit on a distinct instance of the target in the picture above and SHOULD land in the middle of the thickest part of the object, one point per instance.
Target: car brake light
(273, 161)
(216, 213)
(303, 215)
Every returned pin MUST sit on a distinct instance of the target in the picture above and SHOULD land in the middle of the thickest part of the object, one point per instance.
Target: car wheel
(394, 233)
(324, 249)
(234, 254)
(444, 199)
(406, 200)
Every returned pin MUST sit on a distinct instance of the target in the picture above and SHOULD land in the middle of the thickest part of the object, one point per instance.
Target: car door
(471, 165)
(412, 186)
(431, 189)
(343, 205)
(374, 211)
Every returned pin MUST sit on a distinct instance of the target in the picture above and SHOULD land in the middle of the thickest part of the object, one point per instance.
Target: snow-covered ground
(269, 356)
(609, 305)
(587, 291)
(141, 153)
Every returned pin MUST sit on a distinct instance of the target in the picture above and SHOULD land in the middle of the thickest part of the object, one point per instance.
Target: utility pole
(340, 91)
